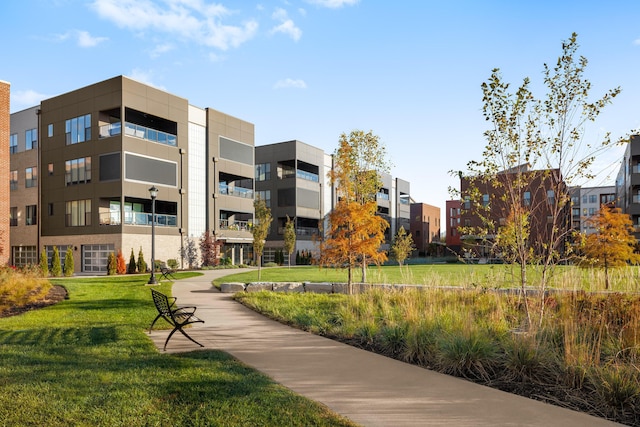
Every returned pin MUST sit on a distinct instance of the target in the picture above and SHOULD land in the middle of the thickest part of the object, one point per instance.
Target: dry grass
(20, 288)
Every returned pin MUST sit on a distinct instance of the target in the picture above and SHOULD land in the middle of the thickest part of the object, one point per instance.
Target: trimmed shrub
(68, 262)
(142, 265)
(56, 268)
(131, 268)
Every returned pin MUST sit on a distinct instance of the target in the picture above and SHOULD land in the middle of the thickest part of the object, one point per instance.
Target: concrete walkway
(369, 389)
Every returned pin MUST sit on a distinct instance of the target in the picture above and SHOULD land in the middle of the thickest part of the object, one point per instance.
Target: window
(13, 216)
(32, 215)
(78, 213)
(467, 222)
(266, 196)
(575, 200)
(13, 180)
(77, 171)
(467, 202)
(585, 199)
(485, 200)
(94, 257)
(593, 198)
(263, 172)
(31, 177)
(31, 139)
(13, 143)
(576, 211)
(592, 211)
(50, 168)
(551, 197)
(78, 129)
(526, 198)
(50, 130)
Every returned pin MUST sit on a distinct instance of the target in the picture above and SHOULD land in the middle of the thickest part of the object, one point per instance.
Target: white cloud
(290, 83)
(144, 77)
(83, 38)
(333, 4)
(21, 99)
(636, 41)
(161, 48)
(87, 40)
(193, 20)
(287, 26)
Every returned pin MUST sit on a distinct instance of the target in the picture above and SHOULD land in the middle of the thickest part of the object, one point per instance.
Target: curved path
(369, 389)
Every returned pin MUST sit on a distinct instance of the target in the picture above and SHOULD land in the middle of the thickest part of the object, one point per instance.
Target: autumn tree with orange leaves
(355, 231)
(613, 243)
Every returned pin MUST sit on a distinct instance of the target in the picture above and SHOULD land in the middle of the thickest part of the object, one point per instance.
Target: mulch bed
(56, 294)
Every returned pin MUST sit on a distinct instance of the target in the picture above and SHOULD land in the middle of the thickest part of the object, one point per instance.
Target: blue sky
(410, 71)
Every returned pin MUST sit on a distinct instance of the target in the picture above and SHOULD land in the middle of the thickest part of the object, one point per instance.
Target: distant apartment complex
(5, 132)
(628, 183)
(425, 227)
(82, 164)
(586, 203)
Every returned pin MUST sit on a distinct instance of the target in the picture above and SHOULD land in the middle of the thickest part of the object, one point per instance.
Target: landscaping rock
(231, 287)
(288, 287)
(318, 288)
(259, 286)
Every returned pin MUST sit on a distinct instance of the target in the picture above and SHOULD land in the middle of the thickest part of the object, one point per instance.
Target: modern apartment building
(290, 177)
(586, 203)
(452, 216)
(82, 165)
(628, 183)
(5, 132)
(541, 199)
(425, 226)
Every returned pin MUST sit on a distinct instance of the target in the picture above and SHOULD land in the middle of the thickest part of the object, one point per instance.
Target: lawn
(465, 275)
(87, 361)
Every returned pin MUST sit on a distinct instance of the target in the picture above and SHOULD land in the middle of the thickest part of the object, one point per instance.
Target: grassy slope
(87, 361)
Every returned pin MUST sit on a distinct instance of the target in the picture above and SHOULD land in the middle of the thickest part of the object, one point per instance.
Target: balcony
(227, 224)
(144, 218)
(301, 231)
(149, 134)
(307, 175)
(228, 190)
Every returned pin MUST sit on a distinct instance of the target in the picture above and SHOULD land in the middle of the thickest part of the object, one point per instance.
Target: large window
(78, 129)
(95, 257)
(13, 180)
(263, 172)
(527, 198)
(13, 216)
(551, 197)
(13, 143)
(31, 218)
(31, 139)
(266, 196)
(31, 177)
(78, 213)
(77, 171)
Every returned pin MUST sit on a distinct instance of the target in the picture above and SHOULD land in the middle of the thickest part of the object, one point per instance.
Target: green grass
(471, 276)
(87, 361)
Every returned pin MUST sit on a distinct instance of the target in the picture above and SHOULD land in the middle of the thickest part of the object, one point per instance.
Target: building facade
(425, 227)
(628, 183)
(5, 202)
(452, 217)
(586, 203)
(84, 162)
(290, 178)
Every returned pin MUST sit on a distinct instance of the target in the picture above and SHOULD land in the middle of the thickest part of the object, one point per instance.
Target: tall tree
(289, 238)
(359, 163)
(548, 135)
(208, 249)
(613, 243)
(402, 246)
(260, 230)
(355, 231)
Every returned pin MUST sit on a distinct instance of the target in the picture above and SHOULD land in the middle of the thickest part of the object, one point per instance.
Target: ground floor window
(95, 257)
(24, 255)
(62, 253)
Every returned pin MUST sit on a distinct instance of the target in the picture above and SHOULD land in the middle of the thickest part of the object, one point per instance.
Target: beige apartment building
(82, 165)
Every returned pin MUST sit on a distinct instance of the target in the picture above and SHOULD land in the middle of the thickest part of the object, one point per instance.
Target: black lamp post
(153, 192)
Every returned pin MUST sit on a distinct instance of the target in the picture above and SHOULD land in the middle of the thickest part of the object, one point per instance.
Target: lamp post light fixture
(153, 192)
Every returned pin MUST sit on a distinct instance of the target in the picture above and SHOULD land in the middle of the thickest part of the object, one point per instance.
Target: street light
(153, 192)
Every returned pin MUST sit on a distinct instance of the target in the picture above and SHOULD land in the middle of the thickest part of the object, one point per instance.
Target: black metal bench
(167, 273)
(178, 317)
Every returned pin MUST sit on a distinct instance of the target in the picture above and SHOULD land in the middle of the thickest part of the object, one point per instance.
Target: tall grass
(20, 287)
(586, 349)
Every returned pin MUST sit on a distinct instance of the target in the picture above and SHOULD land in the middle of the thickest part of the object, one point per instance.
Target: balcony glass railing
(307, 175)
(111, 129)
(382, 196)
(149, 134)
(144, 218)
(302, 231)
(227, 224)
(246, 193)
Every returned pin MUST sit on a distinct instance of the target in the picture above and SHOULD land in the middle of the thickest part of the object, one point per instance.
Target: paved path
(369, 389)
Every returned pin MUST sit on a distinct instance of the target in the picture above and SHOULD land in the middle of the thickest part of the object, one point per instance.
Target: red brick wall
(5, 116)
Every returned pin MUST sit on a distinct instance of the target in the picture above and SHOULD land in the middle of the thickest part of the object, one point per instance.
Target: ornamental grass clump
(18, 288)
